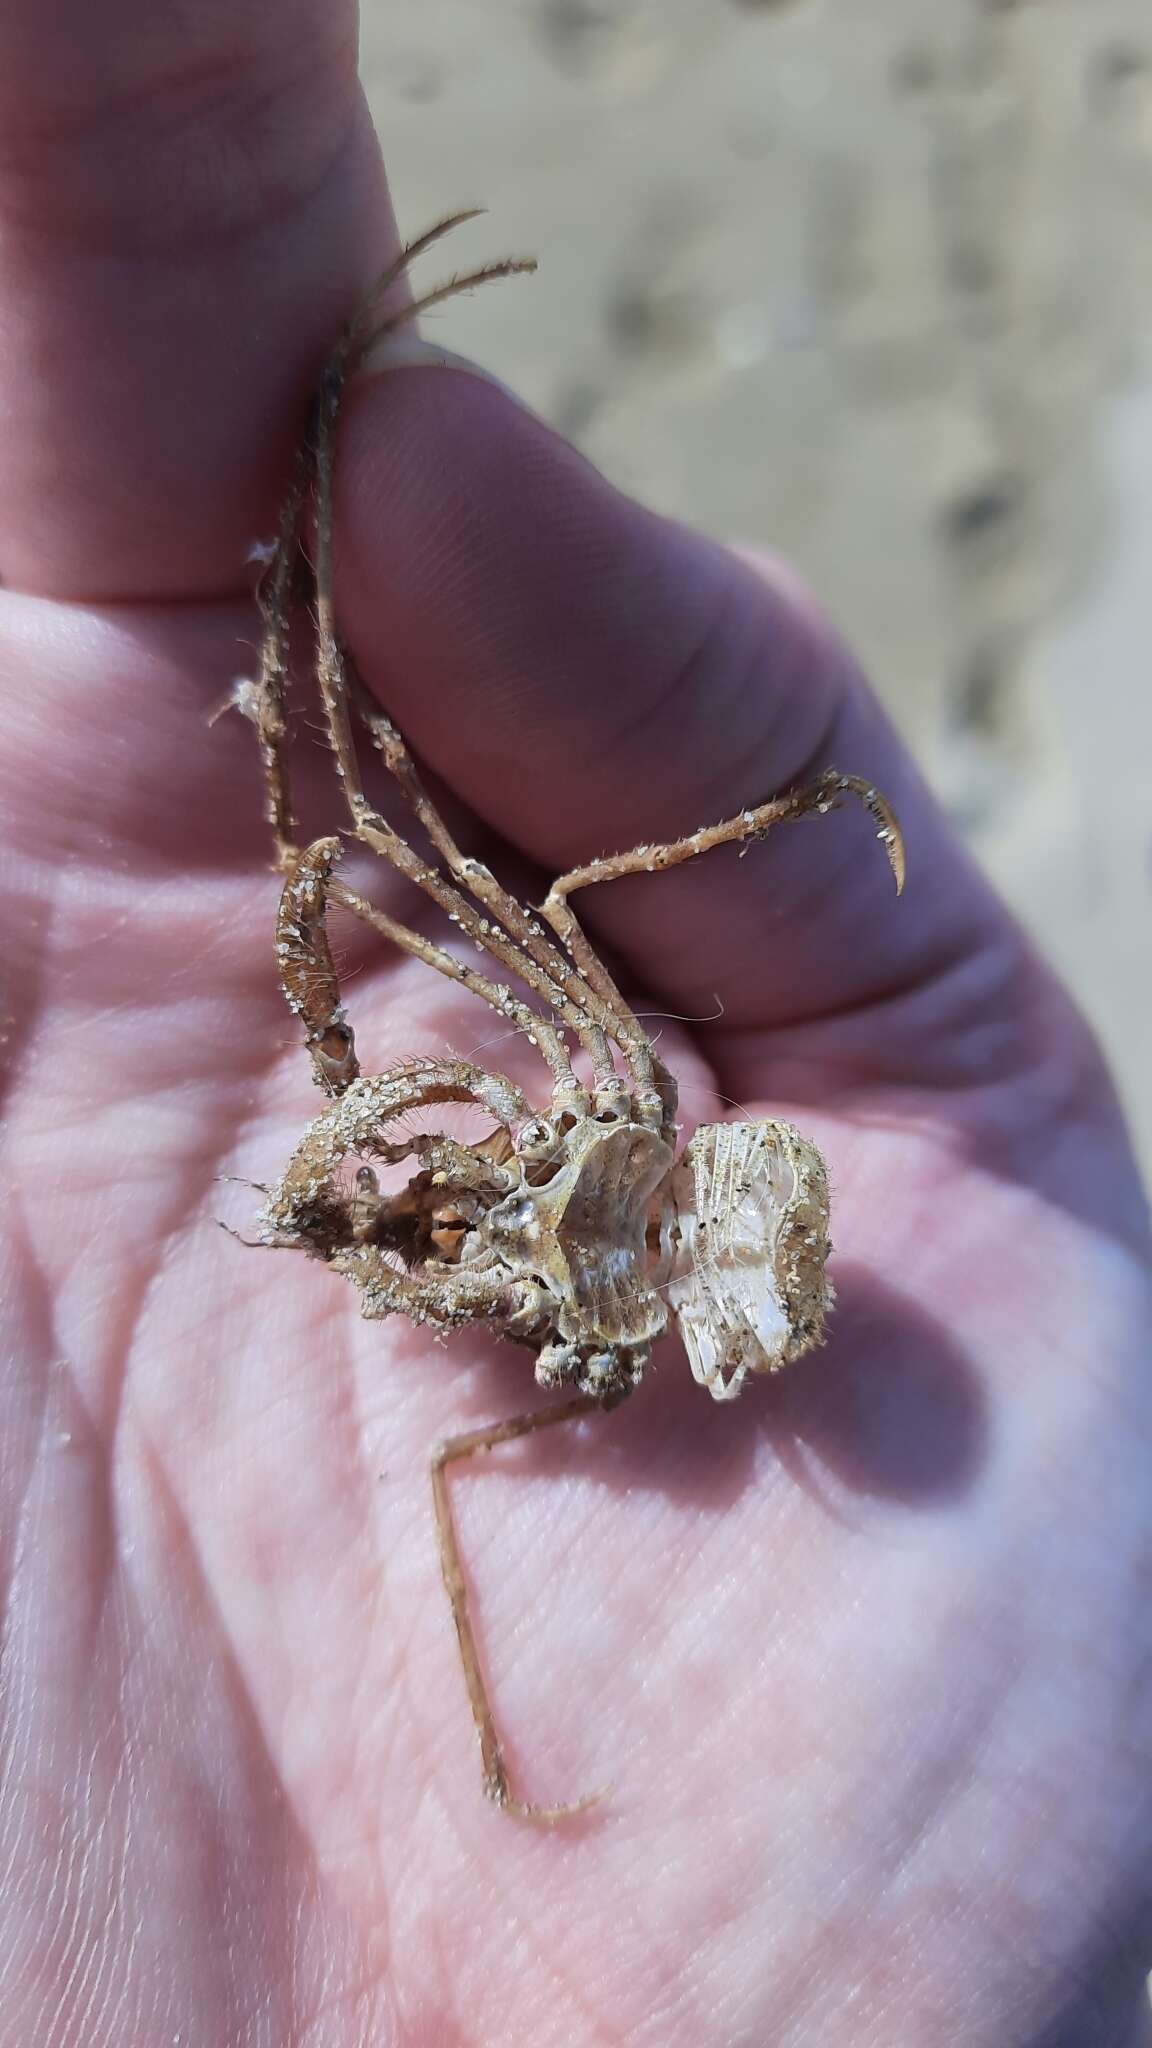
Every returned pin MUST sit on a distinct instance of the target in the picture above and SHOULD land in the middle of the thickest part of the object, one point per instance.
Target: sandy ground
(866, 281)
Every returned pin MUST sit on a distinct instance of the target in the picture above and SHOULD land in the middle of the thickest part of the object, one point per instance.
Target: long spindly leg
(369, 825)
(376, 833)
(312, 991)
(609, 1020)
(537, 1028)
(262, 700)
(822, 795)
(816, 797)
(369, 320)
(493, 1766)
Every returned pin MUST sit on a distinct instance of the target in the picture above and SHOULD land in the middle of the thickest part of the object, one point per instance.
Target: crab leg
(267, 708)
(263, 701)
(653, 1083)
(492, 1763)
(537, 1028)
(368, 823)
(474, 876)
(822, 795)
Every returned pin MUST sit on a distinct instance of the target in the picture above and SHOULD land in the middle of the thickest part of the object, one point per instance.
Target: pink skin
(866, 1659)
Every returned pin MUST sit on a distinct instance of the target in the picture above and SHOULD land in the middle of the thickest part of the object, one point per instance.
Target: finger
(190, 199)
(590, 676)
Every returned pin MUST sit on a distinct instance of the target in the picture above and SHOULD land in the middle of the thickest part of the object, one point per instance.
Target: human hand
(866, 1658)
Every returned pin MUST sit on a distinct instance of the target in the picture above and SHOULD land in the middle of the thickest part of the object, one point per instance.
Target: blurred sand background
(870, 282)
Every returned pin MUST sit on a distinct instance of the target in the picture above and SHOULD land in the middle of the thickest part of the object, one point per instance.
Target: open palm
(865, 1659)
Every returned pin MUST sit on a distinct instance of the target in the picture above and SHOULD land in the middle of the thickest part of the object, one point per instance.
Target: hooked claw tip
(548, 1816)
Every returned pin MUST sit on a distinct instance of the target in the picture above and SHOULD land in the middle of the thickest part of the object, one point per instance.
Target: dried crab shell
(745, 1250)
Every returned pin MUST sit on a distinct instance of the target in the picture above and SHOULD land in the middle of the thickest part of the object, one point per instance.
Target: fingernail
(403, 350)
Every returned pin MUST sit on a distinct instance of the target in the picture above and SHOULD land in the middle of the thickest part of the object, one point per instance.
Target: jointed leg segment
(817, 797)
(537, 1028)
(479, 880)
(456, 1448)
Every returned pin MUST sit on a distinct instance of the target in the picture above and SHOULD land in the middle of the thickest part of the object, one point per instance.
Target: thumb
(588, 675)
